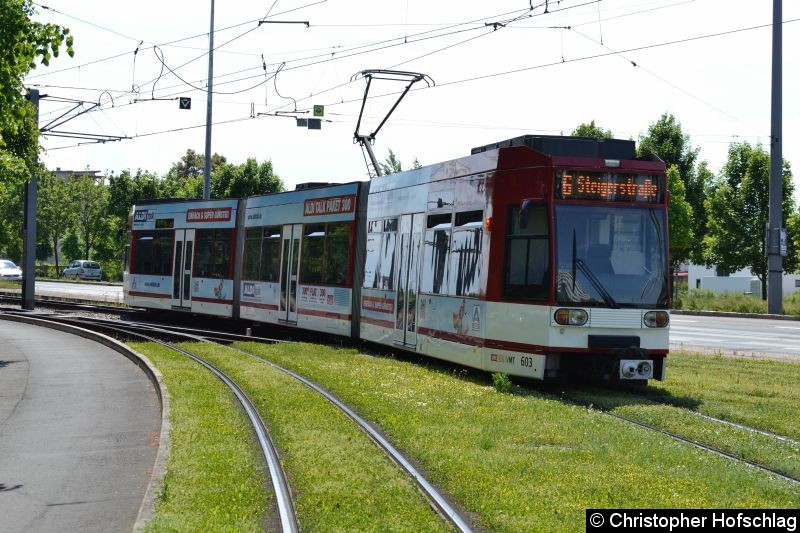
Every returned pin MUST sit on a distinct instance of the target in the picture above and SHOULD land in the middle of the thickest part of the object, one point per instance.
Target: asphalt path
(79, 426)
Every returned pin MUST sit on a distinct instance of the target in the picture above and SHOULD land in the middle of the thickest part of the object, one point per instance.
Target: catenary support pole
(774, 260)
(207, 167)
(29, 227)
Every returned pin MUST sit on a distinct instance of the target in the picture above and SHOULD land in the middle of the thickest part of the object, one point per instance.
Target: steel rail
(280, 484)
(436, 499)
(438, 502)
(675, 436)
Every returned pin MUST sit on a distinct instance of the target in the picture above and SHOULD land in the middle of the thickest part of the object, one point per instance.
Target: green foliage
(738, 211)
(501, 382)
(681, 220)
(666, 139)
(702, 300)
(480, 449)
(592, 130)
(91, 211)
(54, 212)
(23, 42)
(185, 178)
(391, 164)
(248, 179)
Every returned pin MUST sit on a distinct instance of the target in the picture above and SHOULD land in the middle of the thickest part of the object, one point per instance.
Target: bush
(501, 382)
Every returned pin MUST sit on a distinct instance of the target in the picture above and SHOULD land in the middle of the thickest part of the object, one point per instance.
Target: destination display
(609, 186)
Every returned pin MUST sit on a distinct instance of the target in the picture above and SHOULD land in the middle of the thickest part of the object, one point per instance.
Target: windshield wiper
(596, 282)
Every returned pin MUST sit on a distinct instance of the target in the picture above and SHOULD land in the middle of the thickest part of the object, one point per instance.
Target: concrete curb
(147, 508)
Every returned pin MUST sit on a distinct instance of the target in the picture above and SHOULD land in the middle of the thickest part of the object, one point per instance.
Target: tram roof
(562, 146)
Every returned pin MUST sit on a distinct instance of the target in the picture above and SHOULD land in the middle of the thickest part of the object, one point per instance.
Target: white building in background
(743, 281)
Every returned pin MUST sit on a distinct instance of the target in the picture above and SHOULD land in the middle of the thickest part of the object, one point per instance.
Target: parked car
(9, 271)
(83, 269)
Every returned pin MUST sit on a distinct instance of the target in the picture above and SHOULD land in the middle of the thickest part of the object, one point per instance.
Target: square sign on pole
(319, 110)
(184, 102)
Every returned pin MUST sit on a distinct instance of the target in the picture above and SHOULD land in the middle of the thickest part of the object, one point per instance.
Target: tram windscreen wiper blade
(596, 282)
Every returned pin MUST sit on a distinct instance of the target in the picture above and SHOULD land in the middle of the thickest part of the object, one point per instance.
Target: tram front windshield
(611, 256)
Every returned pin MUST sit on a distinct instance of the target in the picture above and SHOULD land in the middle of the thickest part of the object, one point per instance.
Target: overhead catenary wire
(545, 65)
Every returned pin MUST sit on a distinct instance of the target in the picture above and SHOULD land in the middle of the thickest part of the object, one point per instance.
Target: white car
(83, 269)
(9, 271)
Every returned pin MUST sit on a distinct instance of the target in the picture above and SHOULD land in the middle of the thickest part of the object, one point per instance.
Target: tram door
(290, 267)
(182, 269)
(410, 235)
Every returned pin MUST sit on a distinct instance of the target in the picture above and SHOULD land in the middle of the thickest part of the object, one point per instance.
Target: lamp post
(207, 167)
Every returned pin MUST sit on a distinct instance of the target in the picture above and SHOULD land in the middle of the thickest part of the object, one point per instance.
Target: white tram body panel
(272, 286)
(541, 257)
(164, 272)
(408, 213)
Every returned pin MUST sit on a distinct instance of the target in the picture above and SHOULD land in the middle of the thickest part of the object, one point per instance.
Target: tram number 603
(526, 361)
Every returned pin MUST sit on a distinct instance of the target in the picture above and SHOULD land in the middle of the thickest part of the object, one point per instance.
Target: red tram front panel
(298, 258)
(182, 256)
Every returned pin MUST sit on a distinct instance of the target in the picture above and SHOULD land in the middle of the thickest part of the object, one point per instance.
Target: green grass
(341, 480)
(525, 460)
(215, 480)
(757, 393)
(703, 300)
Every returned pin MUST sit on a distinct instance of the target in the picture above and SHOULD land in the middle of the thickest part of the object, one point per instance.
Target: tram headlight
(656, 319)
(571, 317)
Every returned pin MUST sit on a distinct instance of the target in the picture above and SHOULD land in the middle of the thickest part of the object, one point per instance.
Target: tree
(391, 164)
(592, 130)
(91, 215)
(681, 220)
(666, 139)
(248, 179)
(185, 178)
(127, 189)
(22, 41)
(738, 212)
(55, 213)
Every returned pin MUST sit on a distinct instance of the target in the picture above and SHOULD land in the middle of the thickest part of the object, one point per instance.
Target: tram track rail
(697, 444)
(151, 332)
(286, 510)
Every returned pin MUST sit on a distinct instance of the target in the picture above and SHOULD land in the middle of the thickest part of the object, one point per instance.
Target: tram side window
(437, 251)
(465, 254)
(252, 253)
(325, 258)
(270, 255)
(262, 254)
(381, 250)
(152, 253)
(214, 249)
(527, 266)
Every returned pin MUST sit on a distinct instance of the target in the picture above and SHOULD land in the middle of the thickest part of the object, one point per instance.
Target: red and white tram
(539, 256)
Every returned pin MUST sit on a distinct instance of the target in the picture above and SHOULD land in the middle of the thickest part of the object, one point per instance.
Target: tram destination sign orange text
(609, 187)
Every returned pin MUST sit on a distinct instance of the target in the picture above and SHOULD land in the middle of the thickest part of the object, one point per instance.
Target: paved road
(79, 430)
(741, 335)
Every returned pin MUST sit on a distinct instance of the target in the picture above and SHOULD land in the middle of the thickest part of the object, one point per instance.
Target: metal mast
(775, 234)
(207, 167)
